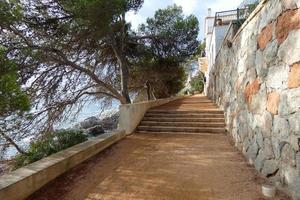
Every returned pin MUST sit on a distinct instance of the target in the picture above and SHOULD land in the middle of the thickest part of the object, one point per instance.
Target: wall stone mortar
(257, 82)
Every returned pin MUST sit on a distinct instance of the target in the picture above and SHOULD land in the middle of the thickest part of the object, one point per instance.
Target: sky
(196, 7)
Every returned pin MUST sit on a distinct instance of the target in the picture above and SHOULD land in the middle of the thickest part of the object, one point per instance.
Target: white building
(216, 27)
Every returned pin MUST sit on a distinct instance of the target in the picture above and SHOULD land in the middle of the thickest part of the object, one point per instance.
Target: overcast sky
(196, 7)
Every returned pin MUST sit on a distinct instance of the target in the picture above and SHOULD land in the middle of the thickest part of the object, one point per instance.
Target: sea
(91, 109)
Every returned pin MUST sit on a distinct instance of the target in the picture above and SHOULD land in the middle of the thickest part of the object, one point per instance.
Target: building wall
(215, 40)
(256, 79)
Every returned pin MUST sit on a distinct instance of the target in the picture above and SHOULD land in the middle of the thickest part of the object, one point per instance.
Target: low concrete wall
(132, 114)
(23, 182)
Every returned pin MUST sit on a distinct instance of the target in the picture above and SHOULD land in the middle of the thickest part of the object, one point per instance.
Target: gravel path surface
(161, 167)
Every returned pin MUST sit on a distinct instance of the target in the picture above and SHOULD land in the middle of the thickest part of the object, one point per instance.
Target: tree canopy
(64, 53)
(168, 40)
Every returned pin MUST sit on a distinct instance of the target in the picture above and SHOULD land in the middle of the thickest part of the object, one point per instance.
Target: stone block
(252, 151)
(298, 162)
(281, 128)
(259, 161)
(287, 22)
(288, 155)
(259, 101)
(259, 137)
(293, 100)
(294, 123)
(251, 89)
(276, 147)
(295, 189)
(287, 50)
(270, 52)
(265, 36)
(289, 4)
(273, 102)
(267, 151)
(294, 140)
(294, 76)
(270, 167)
(260, 64)
(291, 176)
(278, 76)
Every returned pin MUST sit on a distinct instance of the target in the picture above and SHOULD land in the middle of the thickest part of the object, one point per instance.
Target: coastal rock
(90, 122)
(95, 131)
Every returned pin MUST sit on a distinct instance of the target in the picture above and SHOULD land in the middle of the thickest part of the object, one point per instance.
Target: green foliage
(50, 144)
(201, 49)
(171, 33)
(166, 76)
(10, 12)
(100, 16)
(197, 83)
(12, 98)
(170, 40)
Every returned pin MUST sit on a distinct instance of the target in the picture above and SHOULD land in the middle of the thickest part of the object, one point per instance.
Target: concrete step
(168, 119)
(193, 103)
(208, 111)
(176, 133)
(182, 124)
(180, 129)
(187, 115)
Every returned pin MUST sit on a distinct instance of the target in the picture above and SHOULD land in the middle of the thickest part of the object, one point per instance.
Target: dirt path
(160, 167)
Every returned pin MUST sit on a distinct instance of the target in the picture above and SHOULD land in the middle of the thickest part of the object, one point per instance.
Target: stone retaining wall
(256, 79)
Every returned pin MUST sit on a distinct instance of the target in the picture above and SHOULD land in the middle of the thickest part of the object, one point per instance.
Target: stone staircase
(190, 115)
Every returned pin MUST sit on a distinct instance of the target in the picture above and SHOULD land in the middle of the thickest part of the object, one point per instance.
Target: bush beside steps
(49, 144)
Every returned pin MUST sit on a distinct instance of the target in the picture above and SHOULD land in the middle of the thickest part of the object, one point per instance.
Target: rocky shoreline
(92, 126)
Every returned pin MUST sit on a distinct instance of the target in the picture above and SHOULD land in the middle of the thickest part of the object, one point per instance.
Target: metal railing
(239, 15)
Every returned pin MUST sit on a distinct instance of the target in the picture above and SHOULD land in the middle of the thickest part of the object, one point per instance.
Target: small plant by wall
(197, 83)
(51, 143)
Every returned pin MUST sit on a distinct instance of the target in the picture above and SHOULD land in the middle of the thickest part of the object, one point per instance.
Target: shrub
(197, 83)
(50, 144)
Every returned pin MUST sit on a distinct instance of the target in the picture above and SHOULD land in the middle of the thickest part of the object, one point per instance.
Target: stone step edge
(186, 111)
(181, 119)
(180, 129)
(180, 133)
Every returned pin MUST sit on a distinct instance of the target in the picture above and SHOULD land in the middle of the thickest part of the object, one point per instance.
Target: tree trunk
(124, 80)
(9, 140)
(119, 48)
(148, 90)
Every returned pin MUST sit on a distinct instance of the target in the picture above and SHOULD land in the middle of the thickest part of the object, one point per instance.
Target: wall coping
(22, 182)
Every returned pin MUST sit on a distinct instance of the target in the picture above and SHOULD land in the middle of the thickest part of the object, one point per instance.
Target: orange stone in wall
(251, 90)
(286, 22)
(294, 76)
(265, 36)
(273, 102)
